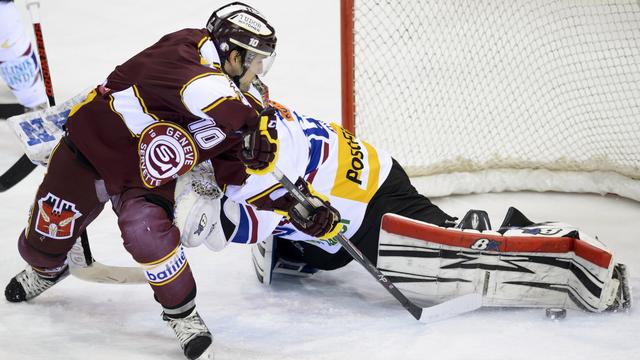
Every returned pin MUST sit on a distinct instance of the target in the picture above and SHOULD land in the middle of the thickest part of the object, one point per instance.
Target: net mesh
(451, 85)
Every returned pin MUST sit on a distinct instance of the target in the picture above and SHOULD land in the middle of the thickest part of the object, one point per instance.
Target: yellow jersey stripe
(264, 193)
(149, 264)
(92, 95)
(218, 102)
(194, 79)
(111, 100)
(144, 107)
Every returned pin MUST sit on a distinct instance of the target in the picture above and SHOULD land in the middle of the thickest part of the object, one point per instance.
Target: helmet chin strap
(236, 79)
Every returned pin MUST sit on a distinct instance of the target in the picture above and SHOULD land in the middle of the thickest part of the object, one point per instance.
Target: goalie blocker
(523, 264)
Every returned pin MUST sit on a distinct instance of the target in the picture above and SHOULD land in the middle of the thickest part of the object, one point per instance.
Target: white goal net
(501, 95)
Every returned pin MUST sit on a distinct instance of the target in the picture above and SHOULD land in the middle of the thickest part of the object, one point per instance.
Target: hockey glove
(260, 145)
(322, 222)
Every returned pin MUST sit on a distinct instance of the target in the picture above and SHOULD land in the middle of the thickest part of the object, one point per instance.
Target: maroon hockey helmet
(238, 26)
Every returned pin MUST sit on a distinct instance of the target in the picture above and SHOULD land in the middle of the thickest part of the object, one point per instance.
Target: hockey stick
(106, 274)
(83, 266)
(24, 166)
(16, 173)
(9, 110)
(440, 311)
(34, 10)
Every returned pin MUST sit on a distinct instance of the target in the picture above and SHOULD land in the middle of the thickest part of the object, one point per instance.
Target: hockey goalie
(522, 264)
(420, 248)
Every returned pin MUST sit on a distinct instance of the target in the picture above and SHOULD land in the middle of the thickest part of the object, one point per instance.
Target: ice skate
(622, 301)
(475, 220)
(193, 335)
(29, 284)
(266, 262)
(262, 255)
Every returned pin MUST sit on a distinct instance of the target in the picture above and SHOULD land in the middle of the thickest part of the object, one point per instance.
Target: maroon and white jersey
(160, 113)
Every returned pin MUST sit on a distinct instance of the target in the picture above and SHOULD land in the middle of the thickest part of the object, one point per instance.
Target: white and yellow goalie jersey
(338, 165)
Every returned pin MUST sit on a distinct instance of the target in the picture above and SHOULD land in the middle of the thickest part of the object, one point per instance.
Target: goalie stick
(23, 167)
(437, 312)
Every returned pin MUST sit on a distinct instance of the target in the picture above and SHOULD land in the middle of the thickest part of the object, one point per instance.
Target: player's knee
(38, 254)
(147, 231)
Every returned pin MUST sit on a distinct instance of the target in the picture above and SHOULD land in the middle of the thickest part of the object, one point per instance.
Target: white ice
(342, 314)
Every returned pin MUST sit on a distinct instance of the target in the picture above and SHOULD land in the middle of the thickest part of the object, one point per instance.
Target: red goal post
(347, 68)
(489, 96)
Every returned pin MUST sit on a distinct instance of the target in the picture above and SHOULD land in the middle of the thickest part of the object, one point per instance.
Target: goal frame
(483, 181)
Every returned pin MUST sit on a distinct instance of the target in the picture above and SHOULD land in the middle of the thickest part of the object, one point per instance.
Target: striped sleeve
(213, 96)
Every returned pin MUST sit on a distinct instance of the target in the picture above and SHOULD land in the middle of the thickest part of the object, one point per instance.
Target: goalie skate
(475, 220)
(262, 257)
(622, 300)
(266, 262)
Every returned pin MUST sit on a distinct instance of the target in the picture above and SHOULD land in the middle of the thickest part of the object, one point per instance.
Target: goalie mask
(240, 27)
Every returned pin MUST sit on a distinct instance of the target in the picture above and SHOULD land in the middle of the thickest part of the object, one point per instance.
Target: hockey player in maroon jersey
(153, 119)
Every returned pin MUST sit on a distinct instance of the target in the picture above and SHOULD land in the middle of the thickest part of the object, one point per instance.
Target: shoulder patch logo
(56, 217)
(166, 151)
(282, 110)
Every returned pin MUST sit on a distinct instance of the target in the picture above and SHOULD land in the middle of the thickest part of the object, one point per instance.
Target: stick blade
(105, 274)
(451, 308)
(16, 173)
(9, 110)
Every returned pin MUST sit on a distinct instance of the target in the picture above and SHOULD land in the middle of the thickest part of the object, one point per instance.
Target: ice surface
(342, 314)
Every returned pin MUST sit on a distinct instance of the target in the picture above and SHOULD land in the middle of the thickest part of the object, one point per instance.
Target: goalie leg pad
(517, 268)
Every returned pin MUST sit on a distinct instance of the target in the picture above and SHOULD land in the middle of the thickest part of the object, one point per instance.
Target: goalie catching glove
(260, 145)
(322, 222)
